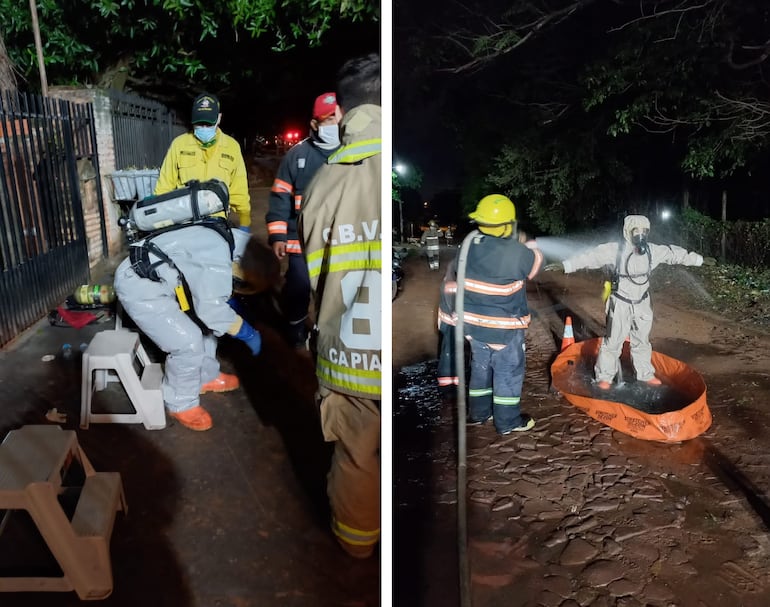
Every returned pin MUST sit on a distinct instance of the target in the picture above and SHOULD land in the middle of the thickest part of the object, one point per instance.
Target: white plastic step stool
(34, 461)
(118, 319)
(115, 356)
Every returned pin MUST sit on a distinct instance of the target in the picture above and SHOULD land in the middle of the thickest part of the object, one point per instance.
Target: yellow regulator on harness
(181, 297)
(606, 291)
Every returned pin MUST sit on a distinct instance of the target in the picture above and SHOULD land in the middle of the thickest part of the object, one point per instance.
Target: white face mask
(329, 134)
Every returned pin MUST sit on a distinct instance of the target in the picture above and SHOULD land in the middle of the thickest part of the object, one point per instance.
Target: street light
(401, 170)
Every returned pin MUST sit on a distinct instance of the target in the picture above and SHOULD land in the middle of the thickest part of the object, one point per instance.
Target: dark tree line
(587, 108)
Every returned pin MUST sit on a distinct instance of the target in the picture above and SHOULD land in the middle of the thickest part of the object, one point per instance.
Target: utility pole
(401, 170)
(38, 48)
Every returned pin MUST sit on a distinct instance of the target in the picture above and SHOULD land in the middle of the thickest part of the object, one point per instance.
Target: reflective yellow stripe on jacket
(355, 152)
(343, 257)
(358, 380)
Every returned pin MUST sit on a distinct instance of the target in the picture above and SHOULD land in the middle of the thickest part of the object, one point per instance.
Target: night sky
(279, 93)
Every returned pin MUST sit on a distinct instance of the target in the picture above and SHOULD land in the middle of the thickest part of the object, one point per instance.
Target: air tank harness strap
(140, 259)
(141, 264)
(632, 301)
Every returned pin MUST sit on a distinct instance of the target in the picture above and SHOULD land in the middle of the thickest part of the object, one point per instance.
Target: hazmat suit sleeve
(598, 257)
(673, 255)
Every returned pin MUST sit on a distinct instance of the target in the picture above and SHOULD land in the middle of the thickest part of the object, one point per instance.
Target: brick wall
(105, 150)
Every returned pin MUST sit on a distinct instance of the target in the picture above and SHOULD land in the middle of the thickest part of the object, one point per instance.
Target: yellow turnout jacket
(187, 159)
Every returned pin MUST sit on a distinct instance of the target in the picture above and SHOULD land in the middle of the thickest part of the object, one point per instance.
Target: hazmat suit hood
(632, 222)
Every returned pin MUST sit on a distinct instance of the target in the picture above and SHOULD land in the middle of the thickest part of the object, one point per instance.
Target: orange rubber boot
(196, 418)
(224, 382)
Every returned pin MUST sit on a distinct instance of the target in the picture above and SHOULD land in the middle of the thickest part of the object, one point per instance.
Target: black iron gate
(43, 246)
(142, 129)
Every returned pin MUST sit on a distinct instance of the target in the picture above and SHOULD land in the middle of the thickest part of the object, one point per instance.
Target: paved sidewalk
(235, 516)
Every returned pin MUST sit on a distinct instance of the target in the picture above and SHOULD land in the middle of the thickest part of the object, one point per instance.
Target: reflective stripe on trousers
(496, 380)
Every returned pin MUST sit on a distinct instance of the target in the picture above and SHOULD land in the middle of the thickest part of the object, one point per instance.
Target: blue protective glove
(246, 229)
(236, 305)
(251, 337)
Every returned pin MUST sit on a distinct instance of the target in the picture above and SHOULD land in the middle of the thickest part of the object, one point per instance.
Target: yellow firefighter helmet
(495, 215)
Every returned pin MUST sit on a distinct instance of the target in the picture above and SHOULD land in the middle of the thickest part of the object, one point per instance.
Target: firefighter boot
(224, 382)
(196, 418)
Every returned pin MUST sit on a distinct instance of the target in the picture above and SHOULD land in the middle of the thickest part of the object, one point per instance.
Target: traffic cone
(569, 336)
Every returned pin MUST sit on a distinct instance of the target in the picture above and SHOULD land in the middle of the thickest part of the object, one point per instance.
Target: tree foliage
(546, 179)
(691, 71)
(102, 41)
(576, 103)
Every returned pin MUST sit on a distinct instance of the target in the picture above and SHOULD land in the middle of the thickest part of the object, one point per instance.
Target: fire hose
(462, 471)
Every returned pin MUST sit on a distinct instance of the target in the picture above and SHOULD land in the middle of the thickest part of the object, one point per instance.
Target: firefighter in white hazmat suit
(190, 267)
(629, 309)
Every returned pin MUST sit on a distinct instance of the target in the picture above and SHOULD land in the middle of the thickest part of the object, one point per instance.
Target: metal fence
(43, 245)
(142, 129)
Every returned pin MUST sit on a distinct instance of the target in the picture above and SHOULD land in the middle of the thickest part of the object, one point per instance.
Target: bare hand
(279, 248)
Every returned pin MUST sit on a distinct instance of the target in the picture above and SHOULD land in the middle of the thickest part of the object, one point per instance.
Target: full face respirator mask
(639, 240)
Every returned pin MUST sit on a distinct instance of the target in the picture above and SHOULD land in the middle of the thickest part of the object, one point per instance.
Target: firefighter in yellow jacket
(207, 153)
(341, 235)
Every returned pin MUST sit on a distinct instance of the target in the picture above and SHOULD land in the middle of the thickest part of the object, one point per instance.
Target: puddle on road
(418, 398)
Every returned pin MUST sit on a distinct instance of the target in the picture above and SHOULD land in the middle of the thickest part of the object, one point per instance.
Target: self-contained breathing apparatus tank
(197, 200)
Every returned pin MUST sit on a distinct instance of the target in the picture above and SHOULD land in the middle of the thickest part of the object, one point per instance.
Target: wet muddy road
(575, 513)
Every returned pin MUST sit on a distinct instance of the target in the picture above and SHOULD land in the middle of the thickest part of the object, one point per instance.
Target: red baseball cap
(324, 106)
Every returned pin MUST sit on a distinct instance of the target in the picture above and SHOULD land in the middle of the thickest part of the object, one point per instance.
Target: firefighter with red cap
(294, 175)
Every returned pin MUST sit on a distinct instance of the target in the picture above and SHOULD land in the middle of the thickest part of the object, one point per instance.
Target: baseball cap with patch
(205, 109)
(324, 106)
